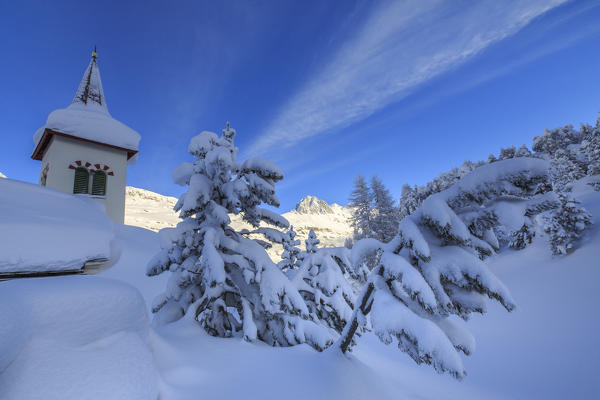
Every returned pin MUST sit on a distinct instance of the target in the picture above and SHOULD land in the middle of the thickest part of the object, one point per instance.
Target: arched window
(99, 183)
(82, 180)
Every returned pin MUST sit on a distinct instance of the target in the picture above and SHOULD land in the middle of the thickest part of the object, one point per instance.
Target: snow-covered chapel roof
(87, 119)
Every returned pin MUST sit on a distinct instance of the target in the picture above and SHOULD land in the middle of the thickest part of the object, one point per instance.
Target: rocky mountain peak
(313, 205)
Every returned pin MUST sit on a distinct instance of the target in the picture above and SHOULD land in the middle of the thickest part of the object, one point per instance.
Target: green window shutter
(99, 183)
(82, 180)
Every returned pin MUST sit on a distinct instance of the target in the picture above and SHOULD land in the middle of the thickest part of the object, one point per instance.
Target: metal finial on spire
(94, 53)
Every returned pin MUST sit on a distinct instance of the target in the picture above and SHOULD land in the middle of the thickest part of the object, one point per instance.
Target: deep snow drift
(78, 337)
(43, 229)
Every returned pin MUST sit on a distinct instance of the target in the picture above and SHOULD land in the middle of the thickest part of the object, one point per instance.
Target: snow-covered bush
(226, 280)
(522, 237)
(566, 224)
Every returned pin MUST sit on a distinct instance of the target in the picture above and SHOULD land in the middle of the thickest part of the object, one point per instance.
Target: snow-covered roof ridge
(88, 118)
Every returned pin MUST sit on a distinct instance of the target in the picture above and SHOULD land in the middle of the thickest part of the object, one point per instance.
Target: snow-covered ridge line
(150, 210)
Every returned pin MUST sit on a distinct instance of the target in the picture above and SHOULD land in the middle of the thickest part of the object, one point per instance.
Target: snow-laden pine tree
(360, 202)
(412, 198)
(311, 242)
(523, 151)
(556, 139)
(523, 237)
(433, 270)
(566, 224)
(563, 171)
(289, 257)
(409, 201)
(224, 280)
(506, 153)
(325, 289)
(384, 222)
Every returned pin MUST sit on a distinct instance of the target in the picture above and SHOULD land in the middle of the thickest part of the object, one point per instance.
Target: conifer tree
(522, 237)
(289, 257)
(523, 151)
(567, 224)
(590, 147)
(226, 281)
(360, 202)
(563, 171)
(433, 268)
(311, 242)
(506, 153)
(384, 223)
(409, 201)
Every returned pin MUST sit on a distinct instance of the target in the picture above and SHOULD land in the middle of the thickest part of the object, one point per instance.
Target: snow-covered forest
(190, 309)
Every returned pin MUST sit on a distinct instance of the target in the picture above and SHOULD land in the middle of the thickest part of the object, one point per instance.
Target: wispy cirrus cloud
(400, 46)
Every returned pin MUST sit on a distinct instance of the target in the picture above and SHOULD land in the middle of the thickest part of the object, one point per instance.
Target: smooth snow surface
(44, 229)
(78, 337)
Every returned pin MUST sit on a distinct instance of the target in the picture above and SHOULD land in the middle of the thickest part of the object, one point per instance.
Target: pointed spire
(90, 92)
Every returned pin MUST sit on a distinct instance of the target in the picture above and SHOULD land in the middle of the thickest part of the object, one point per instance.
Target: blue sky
(404, 89)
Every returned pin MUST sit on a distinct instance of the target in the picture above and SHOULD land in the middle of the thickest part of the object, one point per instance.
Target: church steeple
(90, 92)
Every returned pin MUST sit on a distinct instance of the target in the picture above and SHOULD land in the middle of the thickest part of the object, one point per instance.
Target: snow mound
(78, 337)
(43, 229)
(312, 205)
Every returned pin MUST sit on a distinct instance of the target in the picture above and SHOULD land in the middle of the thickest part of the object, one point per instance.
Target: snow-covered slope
(2, 175)
(149, 210)
(546, 349)
(153, 211)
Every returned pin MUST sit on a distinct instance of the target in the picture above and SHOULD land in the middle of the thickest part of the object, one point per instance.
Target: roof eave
(40, 149)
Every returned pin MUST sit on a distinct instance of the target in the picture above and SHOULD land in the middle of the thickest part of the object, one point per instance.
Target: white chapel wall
(63, 151)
